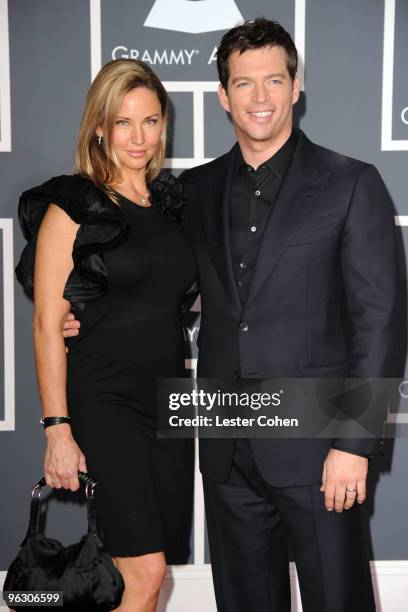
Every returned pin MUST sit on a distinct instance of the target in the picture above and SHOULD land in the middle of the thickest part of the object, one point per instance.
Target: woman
(106, 244)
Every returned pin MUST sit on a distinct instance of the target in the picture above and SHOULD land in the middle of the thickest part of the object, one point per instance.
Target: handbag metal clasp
(90, 490)
(36, 491)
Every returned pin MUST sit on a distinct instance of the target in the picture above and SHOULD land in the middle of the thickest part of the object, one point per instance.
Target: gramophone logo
(193, 16)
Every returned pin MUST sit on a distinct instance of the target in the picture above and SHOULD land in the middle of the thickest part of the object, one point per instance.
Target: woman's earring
(99, 140)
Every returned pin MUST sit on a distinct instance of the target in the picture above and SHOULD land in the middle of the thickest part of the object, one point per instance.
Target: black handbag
(84, 571)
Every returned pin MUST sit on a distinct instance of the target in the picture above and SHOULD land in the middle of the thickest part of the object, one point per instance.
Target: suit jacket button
(243, 326)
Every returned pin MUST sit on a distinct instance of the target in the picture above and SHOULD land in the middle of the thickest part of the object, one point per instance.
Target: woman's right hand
(63, 458)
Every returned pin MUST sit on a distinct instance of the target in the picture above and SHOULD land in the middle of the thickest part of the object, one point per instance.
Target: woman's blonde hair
(103, 101)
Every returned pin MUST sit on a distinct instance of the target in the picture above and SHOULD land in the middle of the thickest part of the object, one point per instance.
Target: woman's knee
(146, 572)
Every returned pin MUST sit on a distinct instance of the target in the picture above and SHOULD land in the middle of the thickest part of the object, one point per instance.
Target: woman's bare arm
(53, 265)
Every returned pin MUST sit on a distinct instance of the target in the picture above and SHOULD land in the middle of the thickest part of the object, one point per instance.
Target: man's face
(260, 95)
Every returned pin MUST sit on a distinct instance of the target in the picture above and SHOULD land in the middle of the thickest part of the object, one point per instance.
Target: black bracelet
(47, 421)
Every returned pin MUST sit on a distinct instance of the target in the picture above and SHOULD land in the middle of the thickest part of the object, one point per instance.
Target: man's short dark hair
(255, 34)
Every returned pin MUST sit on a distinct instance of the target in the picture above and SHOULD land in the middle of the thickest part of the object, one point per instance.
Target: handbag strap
(84, 479)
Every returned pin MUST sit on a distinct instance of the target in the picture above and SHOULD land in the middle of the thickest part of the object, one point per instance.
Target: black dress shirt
(253, 194)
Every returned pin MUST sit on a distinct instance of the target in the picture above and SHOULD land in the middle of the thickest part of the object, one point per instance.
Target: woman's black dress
(132, 269)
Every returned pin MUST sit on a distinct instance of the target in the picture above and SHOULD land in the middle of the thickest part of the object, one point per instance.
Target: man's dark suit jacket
(325, 298)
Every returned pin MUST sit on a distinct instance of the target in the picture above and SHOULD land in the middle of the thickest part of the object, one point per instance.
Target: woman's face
(137, 129)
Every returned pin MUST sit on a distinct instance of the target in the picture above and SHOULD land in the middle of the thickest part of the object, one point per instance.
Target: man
(296, 250)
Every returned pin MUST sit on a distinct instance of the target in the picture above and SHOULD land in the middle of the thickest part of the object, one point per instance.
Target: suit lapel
(215, 213)
(300, 188)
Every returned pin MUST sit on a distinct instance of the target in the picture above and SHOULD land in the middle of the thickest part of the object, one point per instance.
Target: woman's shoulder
(71, 192)
(102, 227)
(62, 184)
(168, 193)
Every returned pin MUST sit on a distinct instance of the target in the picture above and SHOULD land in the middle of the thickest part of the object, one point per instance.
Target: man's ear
(223, 97)
(296, 91)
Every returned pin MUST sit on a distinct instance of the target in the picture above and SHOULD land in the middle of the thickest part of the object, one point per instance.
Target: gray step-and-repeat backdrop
(355, 100)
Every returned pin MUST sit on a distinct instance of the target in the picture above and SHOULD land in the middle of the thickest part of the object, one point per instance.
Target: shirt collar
(278, 163)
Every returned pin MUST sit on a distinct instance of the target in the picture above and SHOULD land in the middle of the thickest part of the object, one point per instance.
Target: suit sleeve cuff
(364, 447)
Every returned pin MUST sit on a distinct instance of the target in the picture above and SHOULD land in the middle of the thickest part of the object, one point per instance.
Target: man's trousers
(251, 524)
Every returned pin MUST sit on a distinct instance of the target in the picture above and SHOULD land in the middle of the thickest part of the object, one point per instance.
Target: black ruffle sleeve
(102, 227)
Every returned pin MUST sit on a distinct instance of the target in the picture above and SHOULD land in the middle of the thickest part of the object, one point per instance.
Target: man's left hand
(70, 326)
(344, 480)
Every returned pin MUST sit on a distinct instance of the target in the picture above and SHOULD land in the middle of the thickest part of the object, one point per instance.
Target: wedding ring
(350, 490)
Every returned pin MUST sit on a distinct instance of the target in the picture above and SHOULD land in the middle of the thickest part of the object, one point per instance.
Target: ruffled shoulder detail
(168, 193)
(102, 227)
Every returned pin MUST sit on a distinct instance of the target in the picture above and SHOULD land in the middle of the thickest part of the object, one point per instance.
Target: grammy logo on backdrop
(193, 16)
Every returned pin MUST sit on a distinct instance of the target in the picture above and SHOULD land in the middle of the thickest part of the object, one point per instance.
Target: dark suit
(324, 302)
